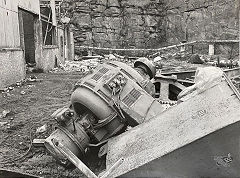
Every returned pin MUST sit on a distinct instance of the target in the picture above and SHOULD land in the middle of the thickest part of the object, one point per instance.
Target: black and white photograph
(119, 88)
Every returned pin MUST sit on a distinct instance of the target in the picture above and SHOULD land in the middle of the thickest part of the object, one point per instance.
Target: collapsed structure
(107, 103)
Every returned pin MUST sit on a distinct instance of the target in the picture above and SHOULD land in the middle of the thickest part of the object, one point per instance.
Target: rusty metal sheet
(176, 128)
(191, 73)
(215, 155)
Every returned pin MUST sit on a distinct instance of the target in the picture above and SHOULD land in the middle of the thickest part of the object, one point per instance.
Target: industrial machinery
(104, 104)
(192, 139)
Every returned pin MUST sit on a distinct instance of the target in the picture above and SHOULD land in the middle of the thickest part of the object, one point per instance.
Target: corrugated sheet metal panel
(31, 5)
(2, 29)
(16, 32)
(9, 30)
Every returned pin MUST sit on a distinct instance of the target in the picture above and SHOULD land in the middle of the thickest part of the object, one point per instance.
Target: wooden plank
(6, 25)
(12, 19)
(1, 3)
(53, 7)
(6, 21)
(16, 30)
(4, 13)
(12, 27)
(2, 21)
(2, 33)
(14, 6)
(8, 4)
(21, 32)
(9, 29)
(30, 5)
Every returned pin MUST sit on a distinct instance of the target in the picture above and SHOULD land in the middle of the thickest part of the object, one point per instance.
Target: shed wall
(12, 62)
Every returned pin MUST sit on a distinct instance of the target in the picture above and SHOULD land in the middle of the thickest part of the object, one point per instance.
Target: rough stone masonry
(119, 23)
(151, 23)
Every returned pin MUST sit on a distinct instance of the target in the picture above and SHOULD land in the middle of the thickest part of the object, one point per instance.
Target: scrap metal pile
(119, 110)
(119, 115)
(167, 61)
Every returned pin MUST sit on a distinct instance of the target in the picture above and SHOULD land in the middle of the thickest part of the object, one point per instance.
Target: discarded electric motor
(103, 104)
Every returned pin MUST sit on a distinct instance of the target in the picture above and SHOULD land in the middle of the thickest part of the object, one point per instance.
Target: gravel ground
(28, 111)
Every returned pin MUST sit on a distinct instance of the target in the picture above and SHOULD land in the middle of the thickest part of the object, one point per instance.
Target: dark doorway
(26, 22)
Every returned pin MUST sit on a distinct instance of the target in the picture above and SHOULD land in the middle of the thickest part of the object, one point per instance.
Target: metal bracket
(80, 165)
(74, 159)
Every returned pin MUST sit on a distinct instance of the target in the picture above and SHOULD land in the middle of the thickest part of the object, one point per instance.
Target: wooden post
(182, 48)
(164, 91)
(211, 49)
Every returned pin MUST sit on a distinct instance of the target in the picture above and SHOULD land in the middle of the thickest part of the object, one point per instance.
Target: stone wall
(190, 20)
(202, 20)
(151, 23)
(119, 23)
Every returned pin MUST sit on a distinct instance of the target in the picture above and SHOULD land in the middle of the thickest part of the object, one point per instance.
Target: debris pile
(28, 81)
(236, 81)
(179, 61)
(77, 66)
(85, 64)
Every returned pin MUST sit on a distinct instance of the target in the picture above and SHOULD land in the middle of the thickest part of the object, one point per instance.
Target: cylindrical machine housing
(73, 136)
(105, 102)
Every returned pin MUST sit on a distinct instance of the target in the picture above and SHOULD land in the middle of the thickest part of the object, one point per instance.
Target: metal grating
(135, 93)
(97, 76)
(103, 70)
(131, 97)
